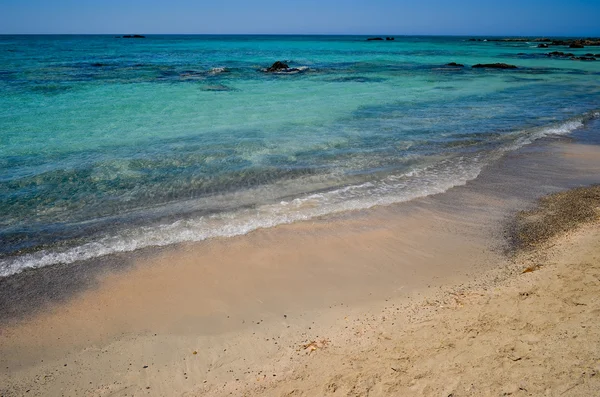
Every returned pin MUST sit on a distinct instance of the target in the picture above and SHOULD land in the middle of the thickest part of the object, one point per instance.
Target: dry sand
(414, 299)
(533, 331)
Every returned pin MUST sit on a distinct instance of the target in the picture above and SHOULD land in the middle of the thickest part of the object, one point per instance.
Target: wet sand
(261, 314)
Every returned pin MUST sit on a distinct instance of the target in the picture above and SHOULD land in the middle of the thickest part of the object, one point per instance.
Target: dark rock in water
(584, 58)
(278, 66)
(475, 39)
(560, 54)
(390, 38)
(589, 54)
(375, 39)
(543, 45)
(283, 68)
(134, 36)
(597, 55)
(217, 88)
(455, 65)
(98, 64)
(494, 66)
(356, 79)
(576, 45)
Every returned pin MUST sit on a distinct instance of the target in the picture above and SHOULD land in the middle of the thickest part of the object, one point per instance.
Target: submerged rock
(576, 45)
(375, 39)
(134, 36)
(455, 65)
(217, 88)
(543, 45)
(283, 68)
(494, 66)
(560, 54)
(390, 38)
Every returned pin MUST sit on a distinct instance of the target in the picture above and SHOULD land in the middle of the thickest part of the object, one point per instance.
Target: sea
(111, 144)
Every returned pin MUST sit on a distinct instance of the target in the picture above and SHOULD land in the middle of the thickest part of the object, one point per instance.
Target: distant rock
(545, 42)
(494, 66)
(283, 68)
(455, 65)
(375, 39)
(390, 38)
(278, 66)
(134, 36)
(583, 58)
(560, 54)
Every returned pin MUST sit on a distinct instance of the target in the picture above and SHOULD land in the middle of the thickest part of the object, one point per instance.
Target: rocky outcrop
(280, 67)
(585, 42)
(571, 56)
(375, 39)
(134, 36)
(494, 66)
(560, 54)
(455, 65)
(389, 38)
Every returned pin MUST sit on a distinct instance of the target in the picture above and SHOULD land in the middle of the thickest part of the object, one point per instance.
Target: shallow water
(110, 144)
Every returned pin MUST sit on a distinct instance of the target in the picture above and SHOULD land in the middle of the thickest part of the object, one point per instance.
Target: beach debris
(194, 352)
(314, 345)
(532, 268)
(555, 214)
(494, 66)
(145, 366)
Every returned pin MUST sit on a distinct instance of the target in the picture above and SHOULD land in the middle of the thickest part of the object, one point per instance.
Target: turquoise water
(110, 144)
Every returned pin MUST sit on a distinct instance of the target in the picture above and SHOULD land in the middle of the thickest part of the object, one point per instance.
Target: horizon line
(298, 34)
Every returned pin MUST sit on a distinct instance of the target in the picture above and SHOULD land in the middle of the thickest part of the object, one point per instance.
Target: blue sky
(453, 17)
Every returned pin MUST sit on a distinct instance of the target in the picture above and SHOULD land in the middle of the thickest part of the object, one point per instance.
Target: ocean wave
(218, 70)
(430, 177)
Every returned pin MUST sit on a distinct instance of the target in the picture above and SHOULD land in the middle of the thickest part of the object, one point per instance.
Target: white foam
(218, 70)
(427, 180)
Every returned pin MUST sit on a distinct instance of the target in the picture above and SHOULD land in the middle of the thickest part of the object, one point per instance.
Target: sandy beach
(457, 294)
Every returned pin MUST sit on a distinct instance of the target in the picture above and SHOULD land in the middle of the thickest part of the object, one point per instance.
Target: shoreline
(284, 288)
(302, 208)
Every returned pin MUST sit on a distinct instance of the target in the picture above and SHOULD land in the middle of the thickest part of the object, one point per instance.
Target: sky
(399, 17)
